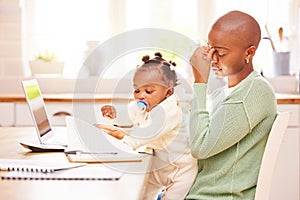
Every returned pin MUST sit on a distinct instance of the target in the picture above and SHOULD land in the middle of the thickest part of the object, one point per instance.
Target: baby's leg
(160, 177)
(181, 181)
(153, 187)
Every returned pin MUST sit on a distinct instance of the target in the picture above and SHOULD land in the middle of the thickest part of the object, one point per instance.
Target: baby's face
(149, 87)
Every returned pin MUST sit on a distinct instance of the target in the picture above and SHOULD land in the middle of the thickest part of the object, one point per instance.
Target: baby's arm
(108, 111)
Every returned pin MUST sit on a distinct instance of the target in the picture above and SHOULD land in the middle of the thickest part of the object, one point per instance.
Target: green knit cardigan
(229, 140)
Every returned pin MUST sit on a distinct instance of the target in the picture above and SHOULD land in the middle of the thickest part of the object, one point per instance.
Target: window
(274, 14)
(73, 28)
(64, 27)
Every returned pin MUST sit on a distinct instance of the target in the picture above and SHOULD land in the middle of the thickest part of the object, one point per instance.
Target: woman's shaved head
(239, 27)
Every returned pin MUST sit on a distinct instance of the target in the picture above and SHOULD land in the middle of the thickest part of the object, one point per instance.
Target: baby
(161, 125)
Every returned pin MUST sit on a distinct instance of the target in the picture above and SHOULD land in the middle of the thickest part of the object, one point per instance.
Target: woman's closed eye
(220, 54)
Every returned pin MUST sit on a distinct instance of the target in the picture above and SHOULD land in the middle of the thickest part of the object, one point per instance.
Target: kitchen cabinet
(56, 113)
(286, 175)
(7, 117)
(22, 115)
(87, 111)
(91, 112)
(15, 111)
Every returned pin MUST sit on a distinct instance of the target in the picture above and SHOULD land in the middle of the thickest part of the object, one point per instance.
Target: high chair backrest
(270, 156)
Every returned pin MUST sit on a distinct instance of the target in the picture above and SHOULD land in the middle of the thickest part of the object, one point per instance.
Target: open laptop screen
(36, 106)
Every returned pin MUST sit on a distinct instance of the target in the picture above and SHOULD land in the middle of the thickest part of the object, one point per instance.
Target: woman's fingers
(211, 54)
(200, 62)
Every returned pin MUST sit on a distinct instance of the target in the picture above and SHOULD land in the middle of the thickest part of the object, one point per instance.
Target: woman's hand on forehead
(200, 61)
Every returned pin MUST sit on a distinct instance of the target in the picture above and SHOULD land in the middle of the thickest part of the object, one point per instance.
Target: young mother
(229, 137)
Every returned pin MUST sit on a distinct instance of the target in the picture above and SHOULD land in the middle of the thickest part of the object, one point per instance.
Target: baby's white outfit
(165, 129)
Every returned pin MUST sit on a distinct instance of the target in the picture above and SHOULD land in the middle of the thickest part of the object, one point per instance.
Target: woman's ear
(170, 91)
(250, 52)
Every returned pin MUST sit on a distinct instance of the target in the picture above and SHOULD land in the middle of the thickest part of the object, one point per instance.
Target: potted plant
(46, 62)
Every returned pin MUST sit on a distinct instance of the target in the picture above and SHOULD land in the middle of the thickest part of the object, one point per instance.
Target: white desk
(129, 187)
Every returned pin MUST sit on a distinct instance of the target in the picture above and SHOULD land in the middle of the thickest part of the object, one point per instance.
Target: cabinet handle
(61, 113)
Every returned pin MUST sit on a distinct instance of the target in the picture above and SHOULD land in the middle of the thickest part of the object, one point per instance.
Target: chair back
(269, 159)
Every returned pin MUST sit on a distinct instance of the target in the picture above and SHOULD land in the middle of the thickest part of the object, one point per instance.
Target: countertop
(288, 98)
(66, 97)
(85, 97)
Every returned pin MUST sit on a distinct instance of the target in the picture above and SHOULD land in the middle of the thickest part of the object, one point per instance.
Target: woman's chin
(218, 73)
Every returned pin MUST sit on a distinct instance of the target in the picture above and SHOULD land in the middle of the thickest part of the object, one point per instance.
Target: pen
(123, 126)
(148, 153)
(91, 153)
(142, 152)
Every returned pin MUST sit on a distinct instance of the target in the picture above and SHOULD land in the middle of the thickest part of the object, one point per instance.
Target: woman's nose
(215, 58)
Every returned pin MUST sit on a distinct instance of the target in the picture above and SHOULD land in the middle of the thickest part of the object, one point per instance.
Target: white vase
(43, 67)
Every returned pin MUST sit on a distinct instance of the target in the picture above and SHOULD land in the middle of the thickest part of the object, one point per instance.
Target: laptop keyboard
(59, 138)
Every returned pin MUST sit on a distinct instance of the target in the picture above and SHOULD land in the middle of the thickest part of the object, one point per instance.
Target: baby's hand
(112, 130)
(109, 111)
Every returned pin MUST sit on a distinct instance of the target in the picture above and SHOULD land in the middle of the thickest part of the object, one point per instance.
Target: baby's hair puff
(166, 68)
(145, 58)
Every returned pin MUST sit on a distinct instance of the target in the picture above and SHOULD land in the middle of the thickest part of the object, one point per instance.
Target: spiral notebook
(34, 166)
(29, 170)
(85, 173)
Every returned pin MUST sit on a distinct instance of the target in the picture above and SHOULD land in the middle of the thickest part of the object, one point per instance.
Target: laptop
(47, 137)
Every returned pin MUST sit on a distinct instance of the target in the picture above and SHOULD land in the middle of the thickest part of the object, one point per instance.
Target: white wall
(10, 38)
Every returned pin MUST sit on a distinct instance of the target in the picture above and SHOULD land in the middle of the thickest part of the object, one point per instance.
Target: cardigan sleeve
(230, 122)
